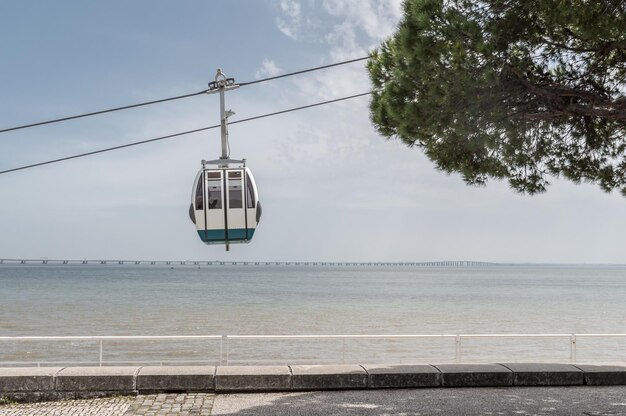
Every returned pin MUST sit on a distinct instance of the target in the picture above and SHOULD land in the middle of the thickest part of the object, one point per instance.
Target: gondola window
(250, 191)
(235, 194)
(199, 196)
(214, 185)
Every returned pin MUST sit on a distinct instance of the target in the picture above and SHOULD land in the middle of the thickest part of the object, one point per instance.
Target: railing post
(222, 349)
(227, 349)
(224, 360)
(100, 361)
(343, 350)
(572, 348)
(457, 342)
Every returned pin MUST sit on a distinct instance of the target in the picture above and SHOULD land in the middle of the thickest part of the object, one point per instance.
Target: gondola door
(235, 212)
(215, 221)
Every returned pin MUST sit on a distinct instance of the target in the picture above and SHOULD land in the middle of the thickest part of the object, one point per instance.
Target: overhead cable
(126, 107)
(95, 113)
(243, 84)
(108, 149)
(299, 108)
(169, 136)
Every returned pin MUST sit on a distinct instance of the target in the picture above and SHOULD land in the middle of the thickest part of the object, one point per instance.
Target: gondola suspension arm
(221, 85)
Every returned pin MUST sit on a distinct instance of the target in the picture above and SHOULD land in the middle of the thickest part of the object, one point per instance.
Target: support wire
(126, 107)
(169, 136)
(95, 113)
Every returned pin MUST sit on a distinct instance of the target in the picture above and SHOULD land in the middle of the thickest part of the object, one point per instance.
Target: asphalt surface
(441, 401)
(554, 401)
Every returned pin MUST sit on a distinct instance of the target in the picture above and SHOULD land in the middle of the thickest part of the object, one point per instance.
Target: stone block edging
(50, 383)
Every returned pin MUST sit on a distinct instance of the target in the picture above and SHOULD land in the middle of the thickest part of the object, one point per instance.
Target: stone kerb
(176, 379)
(603, 375)
(539, 374)
(402, 376)
(252, 378)
(475, 375)
(97, 379)
(328, 377)
(17, 379)
(50, 383)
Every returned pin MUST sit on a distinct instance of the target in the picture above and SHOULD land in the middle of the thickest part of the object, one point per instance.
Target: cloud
(291, 22)
(376, 18)
(268, 69)
(349, 27)
(360, 25)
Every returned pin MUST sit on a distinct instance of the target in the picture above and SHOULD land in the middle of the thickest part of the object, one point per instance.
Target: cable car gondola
(224, 200)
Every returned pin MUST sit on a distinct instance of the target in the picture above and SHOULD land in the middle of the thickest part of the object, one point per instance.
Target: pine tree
(515, 89)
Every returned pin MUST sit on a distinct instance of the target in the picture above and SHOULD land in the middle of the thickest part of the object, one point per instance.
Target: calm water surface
(213, 300)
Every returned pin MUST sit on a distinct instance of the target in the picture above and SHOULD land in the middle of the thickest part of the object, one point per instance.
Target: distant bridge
(447, 263)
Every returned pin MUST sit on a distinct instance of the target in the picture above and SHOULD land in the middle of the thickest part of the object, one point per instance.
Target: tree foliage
(515, 89)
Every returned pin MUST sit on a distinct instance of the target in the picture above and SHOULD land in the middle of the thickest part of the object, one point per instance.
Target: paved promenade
(192, 404)
(553, 401)
(101, 407)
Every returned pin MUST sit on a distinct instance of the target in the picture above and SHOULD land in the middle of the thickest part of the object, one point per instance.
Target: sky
(332, 189)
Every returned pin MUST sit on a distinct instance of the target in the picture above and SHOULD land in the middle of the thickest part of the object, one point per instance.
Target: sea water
(92, 300)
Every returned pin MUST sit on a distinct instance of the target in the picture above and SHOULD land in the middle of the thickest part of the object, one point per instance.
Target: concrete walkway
(553, 401)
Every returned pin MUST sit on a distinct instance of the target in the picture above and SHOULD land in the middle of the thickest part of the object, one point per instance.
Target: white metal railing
(224, 342)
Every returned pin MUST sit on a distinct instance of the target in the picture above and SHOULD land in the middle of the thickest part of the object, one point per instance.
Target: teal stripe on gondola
(234, 234)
